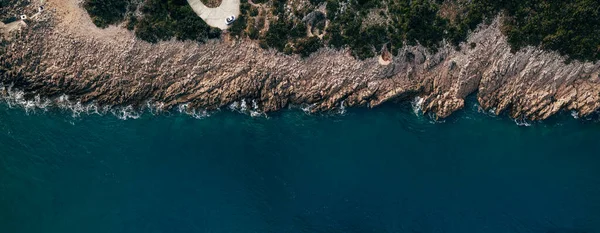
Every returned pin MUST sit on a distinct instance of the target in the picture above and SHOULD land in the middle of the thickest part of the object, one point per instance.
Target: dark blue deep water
(378, 170)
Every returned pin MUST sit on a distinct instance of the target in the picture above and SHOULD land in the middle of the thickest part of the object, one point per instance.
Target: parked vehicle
(230, 20)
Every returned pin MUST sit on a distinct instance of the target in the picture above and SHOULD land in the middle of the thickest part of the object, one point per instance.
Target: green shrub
(10, 20)
(160, 20)
(106, 12)
(165, 19)
(571, 28)
(277, 35)
(307, 46)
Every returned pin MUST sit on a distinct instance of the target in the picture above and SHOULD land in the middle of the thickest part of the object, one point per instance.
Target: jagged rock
(64, 53)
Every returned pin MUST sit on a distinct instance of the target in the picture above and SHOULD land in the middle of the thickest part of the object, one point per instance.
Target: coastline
(63, 53)
(353, 172)
(76, 110)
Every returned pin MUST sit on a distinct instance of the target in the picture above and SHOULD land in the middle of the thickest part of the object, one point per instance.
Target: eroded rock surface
(62, 52)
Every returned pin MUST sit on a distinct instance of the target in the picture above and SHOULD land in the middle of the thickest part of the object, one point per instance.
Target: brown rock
(64, 53)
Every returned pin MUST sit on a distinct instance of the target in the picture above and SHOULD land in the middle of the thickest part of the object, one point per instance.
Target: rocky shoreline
(63, 53)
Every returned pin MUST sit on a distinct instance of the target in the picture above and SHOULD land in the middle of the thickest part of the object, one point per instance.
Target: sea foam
(15, 98)
(417, 105)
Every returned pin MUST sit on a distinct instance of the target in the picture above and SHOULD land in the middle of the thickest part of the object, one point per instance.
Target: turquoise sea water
(378, 170)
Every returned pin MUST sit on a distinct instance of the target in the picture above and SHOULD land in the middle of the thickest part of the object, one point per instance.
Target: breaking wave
(198, 114)
(417, 109)
(575, 114)
(250, 108)
(15, 98)
(417, 105)
(342, 109)
(522, 122)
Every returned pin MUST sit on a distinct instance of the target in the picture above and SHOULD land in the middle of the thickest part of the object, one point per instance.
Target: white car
(230, 20)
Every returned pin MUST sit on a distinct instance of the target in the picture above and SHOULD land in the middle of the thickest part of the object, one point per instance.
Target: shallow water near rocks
(377, 170)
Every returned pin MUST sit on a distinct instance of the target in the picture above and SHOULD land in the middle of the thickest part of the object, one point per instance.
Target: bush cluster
(8, 8)
(106, 12)
(570, 27)
(160, 20)
(165, 19)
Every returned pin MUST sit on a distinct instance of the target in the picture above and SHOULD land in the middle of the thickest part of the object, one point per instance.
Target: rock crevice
(63, 53)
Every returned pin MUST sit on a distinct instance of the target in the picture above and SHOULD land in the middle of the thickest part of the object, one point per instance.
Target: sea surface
(367, 170)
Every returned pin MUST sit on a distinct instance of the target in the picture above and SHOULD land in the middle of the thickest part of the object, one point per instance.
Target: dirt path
(16, 25)
(215, 17)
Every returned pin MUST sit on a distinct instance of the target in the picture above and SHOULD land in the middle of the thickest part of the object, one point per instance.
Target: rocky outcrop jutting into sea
(62, 52)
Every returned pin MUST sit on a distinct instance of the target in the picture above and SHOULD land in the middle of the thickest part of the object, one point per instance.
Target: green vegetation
(5, 3)
(165, 19)
(9, 19)
(160, 20)
(365, 27)
(6, 16)
(413, 22)
(307, 46)
(106, 12)
(238, 26)
(570, 27)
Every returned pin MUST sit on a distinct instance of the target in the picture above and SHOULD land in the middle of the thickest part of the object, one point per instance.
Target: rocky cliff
(61, 52)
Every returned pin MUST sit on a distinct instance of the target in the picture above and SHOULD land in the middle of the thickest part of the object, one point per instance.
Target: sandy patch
(74, 19)
(215, 17)
(383, 61)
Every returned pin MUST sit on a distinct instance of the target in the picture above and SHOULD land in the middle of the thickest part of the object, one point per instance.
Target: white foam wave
(126, 113)
(417, 105)
(195, 113)
(575, 114)
(252, 108)
(522, 122)
(490, 112)
(15, 98)
(308, 108)
(342, 109)
(433, 119)
(417, 108)
(155, 107)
